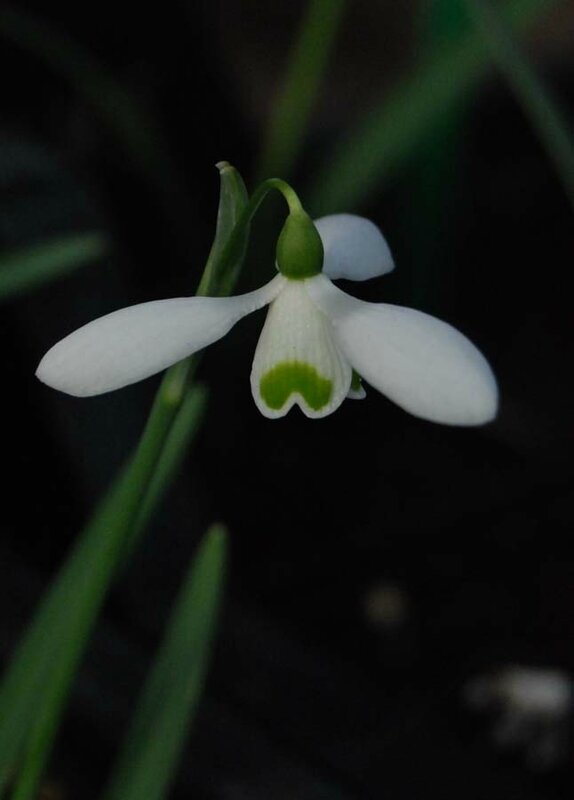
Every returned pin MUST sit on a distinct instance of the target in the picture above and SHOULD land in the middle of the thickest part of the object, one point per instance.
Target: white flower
(313, 339)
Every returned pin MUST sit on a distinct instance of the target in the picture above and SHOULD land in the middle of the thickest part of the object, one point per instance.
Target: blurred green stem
(531, 92)
(305, 73)
(430, 203)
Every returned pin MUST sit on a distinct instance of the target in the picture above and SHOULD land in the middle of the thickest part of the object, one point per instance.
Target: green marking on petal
(290, 377)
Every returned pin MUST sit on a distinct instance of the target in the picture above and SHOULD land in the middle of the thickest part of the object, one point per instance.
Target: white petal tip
(481, 412)
(422, 364)
(53, 373)
(134, 343)
(357, 394)
(469, 401)
(469, 418)
(356, 389)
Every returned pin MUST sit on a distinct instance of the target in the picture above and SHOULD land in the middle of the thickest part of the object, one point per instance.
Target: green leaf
(394, 131)
(35, 686)
(185, 426)
(222, 267)
(27, 268)
(536, 99)
(305, 73)
(36, 683)
(172, 690)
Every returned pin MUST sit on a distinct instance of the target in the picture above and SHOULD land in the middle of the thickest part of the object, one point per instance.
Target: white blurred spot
(386, 605)
(533, 706)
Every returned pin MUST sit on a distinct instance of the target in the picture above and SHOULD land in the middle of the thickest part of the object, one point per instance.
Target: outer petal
(135, 342)
(354, 248)
(297, 360)
(424, 365)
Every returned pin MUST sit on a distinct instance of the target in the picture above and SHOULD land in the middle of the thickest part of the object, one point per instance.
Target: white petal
(135, 342)
(297, 360)
(424, 365)
(354, 248)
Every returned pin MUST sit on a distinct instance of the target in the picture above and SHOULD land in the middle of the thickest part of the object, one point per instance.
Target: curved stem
(304, 77)
(237, 238)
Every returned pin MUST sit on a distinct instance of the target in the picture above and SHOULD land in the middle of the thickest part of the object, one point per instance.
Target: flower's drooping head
(316, 344)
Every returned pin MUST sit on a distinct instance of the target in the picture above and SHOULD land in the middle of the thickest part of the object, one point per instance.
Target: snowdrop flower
(315, 343)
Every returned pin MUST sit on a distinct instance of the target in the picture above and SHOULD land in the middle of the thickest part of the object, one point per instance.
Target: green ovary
(285, 379)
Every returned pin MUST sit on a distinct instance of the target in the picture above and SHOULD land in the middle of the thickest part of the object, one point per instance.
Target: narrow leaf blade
(222, 267)
(173, 688)
(35, 684)
(537, 100)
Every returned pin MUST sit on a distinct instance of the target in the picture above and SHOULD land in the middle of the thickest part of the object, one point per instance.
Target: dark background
(378, 562)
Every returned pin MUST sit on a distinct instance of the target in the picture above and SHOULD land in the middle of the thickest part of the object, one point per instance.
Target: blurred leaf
(394, 131)
(29, 267)
(36, 683)
(117, 107)
(173, 688)
(441, 22)
(303, 78)
(134, 127)
(535, 97)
